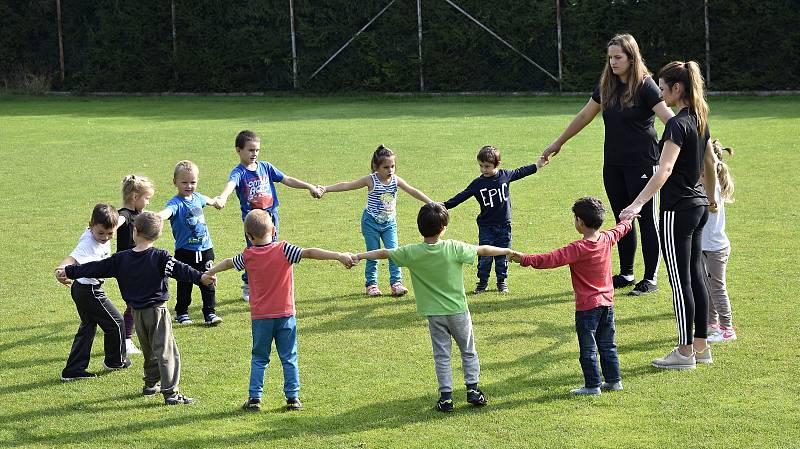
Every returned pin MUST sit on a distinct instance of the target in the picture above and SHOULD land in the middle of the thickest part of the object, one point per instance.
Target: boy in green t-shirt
(438, 282)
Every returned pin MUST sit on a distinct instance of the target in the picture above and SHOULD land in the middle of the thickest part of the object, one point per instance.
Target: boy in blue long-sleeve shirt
(491, 190)
(142, 274)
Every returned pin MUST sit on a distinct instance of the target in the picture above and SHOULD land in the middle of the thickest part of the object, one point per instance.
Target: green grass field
(365, 364)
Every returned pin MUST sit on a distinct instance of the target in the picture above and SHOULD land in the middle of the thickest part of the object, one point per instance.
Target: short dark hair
(257, 223)
(105, 215)
(489, 154)
(246, 136)
(590, 210)
(432, 218)
(148, 225)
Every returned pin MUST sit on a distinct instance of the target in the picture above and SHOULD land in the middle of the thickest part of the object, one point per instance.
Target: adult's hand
(630, 212)
(551, 150)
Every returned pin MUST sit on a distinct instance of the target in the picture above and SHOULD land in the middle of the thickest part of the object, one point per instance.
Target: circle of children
(435, 265)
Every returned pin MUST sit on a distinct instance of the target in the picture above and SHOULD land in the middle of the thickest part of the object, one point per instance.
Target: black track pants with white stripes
(681, 233)
(95, 309)
(623, 185)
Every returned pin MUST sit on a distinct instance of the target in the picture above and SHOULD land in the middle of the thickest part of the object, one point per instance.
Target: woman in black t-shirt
(685, 151)
(629, 99)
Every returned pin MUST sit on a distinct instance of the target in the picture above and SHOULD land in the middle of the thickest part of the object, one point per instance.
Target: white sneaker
(246, 292)
(131, 348)
(675, 360)
(723, 335)
(704, 356)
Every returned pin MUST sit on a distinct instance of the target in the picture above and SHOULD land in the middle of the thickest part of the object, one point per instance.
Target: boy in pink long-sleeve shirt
(589, 261)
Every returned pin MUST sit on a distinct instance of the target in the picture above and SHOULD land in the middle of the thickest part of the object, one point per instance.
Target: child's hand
(61, 276)
(515, 256)
(316, 192)
(219, 203)
(346, 259)
(208, 279)
(542, 161)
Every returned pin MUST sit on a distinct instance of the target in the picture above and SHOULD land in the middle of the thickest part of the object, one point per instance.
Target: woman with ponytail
(629, 100)
(685, 153)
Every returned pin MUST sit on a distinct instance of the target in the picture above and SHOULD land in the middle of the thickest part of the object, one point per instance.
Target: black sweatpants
(623, 184)
(681, 241)
(202, 262)
(95, 309)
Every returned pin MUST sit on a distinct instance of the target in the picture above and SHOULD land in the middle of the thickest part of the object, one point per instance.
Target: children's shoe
(177, 399)
(246, 292)
(183, 319)
(212, 319)
(445, 405)
(502, 287)
(131, 348)
(149, 391)
(712, 329)
(723, 335)
(619, 281)
(252, 405)
(644, 287)
(615, 386)
(293, 404)
(398, 289)
(68, 377)
(372, 290)
(586, 391)
(675, 360)
(126, 363)
(476, 397)
(704, 356)
(480, 287)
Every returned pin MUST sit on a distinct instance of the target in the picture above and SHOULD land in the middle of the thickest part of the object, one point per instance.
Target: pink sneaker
(712, 329)
(398, 289)
(725, 335)
(372, 290)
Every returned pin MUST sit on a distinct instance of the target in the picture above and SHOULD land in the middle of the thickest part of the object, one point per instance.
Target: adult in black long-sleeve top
(142, 274)
(491, 190)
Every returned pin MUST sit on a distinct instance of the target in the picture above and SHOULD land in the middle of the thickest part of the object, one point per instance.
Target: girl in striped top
(378, 221)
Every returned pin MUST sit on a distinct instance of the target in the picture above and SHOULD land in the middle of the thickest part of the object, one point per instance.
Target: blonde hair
(257, 223)
(148, 225)
(694, 93)
(184, 166)
(723, 172)
(135, 185)
(609, 83)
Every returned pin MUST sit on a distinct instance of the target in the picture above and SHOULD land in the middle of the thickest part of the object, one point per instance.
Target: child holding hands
(589, 261)
(272, 308)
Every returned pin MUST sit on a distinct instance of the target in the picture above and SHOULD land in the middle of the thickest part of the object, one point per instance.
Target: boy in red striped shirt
(589, 261)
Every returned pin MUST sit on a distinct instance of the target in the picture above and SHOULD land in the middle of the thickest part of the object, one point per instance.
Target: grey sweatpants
(162, 361)
(719, 307)
(459, 327)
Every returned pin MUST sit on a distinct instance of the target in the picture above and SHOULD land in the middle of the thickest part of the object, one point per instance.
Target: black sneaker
(476, 397)
(149, 391)
(177, 399)
(643, 287)
(502, 287)
(480, 287)
(445, 406)
(126, 363)
(293, 404)
(252, 405)
(212, 319)
(620, 282)
(67, 377)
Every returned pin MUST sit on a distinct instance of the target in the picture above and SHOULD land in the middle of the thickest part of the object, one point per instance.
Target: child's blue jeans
(275, 221)
(374, 233)
(499, 236)
(284, 332)
(596, 332)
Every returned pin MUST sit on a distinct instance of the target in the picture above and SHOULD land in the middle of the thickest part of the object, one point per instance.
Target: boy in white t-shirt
(94, 307)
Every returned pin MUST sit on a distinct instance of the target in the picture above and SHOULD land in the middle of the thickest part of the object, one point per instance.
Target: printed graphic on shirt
(259, 195)
(196, 223)
(388, 201)
(490, 197)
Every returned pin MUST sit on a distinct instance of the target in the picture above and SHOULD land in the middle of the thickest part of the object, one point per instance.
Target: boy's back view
(437, 277)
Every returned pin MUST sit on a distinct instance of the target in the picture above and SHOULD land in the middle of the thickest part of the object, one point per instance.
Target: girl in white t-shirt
(716, 250)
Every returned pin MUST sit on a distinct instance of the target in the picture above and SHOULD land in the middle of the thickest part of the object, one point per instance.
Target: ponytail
(381, 153)
(694, 95)
(135, 185)
(723, 172)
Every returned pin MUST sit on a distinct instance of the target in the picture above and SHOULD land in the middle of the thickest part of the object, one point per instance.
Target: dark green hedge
(244, 45)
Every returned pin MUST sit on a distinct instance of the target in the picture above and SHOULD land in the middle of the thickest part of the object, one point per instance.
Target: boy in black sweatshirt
(494, 220)
(142, 274)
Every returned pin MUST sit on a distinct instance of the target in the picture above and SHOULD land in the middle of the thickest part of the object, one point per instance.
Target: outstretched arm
(294, 183)
(584, 117)
(61, 276)
(345, 259)
(351, 185)
(165, 213)
(382, 253)
(488, 250)
(226, 264)
(412, 191)
(222, 198)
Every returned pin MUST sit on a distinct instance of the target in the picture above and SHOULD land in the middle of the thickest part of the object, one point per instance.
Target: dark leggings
(681, 241)
(622, 185)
